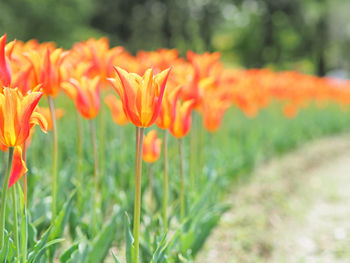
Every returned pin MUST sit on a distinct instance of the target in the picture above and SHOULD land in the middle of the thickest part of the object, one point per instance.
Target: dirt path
(294, 210)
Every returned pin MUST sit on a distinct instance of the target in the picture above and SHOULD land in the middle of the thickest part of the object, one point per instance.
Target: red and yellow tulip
(151, 147)
(86, 95)
(141, 95)
(116, 107)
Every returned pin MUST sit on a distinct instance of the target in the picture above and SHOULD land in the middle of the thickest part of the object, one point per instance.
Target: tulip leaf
(103, 241)
(129, 240)
(43, 249)
(61, 221)
(116, 260)
(159, 254)
(66, 256)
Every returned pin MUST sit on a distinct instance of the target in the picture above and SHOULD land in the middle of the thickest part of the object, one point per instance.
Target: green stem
(193, 142)
(102, 136)
(137, 204)
(54, 158)
(151, 186)
(24, 228)
(5, 187)
(96, 175)
(182, 182)
(79, 183)
(165, 181)
(25, 182)
(15, 221)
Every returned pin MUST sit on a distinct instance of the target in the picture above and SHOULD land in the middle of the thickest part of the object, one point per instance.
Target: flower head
(86, 95)
(141, 96)
(168, 108)
(18, 115)
(182, 123)
(151, 147)
(116, 107)
(5, 70)
(47, 68)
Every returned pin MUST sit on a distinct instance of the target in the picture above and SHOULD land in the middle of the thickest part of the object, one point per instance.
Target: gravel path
(293, 210)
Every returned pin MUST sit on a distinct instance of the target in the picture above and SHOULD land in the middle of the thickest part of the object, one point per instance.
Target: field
(89, 195)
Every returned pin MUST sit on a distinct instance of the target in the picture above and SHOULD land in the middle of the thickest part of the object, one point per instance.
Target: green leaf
(103, 241)
(68, 253)
(159, 254)
(61, 221)
(129, 240)
(115, 257)
(39, 245)
(43, 249)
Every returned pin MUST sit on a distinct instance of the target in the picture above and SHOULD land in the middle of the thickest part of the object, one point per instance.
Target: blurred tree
(283, 34)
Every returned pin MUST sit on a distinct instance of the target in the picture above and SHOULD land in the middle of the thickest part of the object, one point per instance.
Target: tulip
(182, 122)
(151, 147)
(17, 117)
(47, 65)
(180, 128)
(141, 96)
(5, 70)
(165, 118)
(116, 107)
(86, 95)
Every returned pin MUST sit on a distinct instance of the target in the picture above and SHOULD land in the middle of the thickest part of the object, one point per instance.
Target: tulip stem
(165, 181)
(15, 221)
(80, 157)
(24, 228)
(193, 142)
(151, 186)
(137, 204)
(182, 182)
(5, 187)
(96, 175)
(54, 158)
(102, 137)
(25, 182)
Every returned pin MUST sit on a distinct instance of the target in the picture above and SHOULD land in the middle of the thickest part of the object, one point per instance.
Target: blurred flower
(141, 96)
(47, 68)
(151, 147)
(5, 70)
(47, 115)
(86, 95)
(168, 108)
(18, 115)
(182, 123)
(116, 107)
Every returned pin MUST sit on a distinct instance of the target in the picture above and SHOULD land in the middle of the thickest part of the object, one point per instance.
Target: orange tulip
(5, 70)
(182, 123)
(168, 108)
(117, 111)
(46, 113)
(141, 96)
(213, 110)
(85, 94)
(151, 147)
(47, 68)
(18, 115)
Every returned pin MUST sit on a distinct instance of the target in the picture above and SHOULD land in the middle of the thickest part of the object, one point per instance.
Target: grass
(221, 161)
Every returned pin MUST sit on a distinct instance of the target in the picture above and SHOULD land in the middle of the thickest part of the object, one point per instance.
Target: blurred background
(311, 36)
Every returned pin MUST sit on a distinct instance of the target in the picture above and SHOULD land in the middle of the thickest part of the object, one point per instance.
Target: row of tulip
(164, 89)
